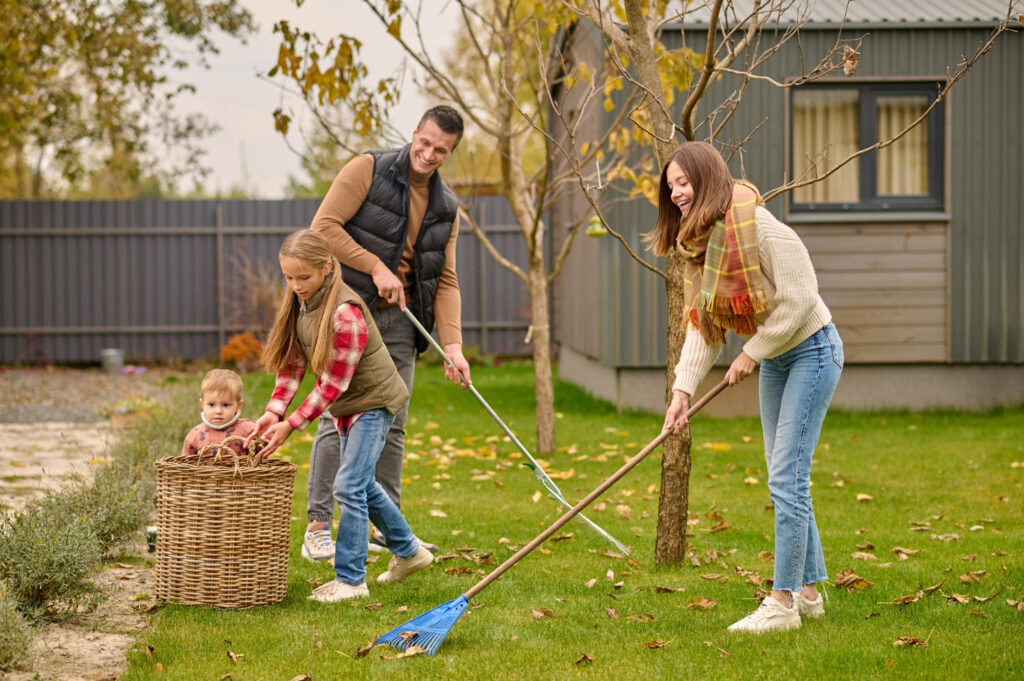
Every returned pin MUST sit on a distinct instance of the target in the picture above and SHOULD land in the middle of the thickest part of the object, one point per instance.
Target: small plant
(15, 634)
(243, 350)
(46, 561)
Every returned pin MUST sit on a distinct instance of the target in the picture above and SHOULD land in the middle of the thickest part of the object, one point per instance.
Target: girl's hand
(675, 415)
(741, 367)
(268, 419)
(275, 437)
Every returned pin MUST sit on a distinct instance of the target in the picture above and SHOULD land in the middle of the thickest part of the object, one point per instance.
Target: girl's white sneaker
(334, 591)
(809, 608)
(770, 616)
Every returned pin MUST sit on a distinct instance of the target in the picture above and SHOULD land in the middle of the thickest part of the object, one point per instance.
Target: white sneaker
(376, 543)
(771, 616)
(335, 591)
(809, 608)
(317, 545)
(400, 568)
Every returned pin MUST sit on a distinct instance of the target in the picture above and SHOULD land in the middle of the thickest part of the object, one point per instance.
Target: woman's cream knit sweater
(796, 310)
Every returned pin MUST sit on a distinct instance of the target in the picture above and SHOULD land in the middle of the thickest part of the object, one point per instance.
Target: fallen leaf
(959, 598)
(862, 555)
(720, 526)
(302, 677)
(235, 657)
(562, 537)
(225, 677)
(438, 513)
(932, 589)
(610, 575)
(910, 641)
(372, 607)
(722, 652)
(644, 617)
(542, 612)
(864, 498)
(711, 576)
(584, 658)
(656, 643)
(906, 600)
(591, 583)
(848, 579)
(612, 612)
(402, 608)
(364, 651)
(666, 590)
(969, 578)
(701, 603)
(408, 635)
(977, 613)
(410, 651)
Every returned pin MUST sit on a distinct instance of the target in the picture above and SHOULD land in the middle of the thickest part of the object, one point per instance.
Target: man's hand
(453, 351)
(388, 285)
(675, 415)
(741, 367)
(268, 419)
(275, 437)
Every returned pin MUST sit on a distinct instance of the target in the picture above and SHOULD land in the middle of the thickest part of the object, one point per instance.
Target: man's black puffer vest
(381, 226)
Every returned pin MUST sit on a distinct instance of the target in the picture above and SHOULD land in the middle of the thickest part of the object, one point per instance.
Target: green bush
(15, 634)
(47, 560)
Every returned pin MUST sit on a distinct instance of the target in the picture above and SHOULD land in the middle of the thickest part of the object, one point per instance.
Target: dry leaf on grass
(906, 600)
(848, 579)
(701, 603)
(864, 498)
(591, 582)
(931, 589)
(225, 677)
(542, 612)
(656, 643)
(667, 590)
(863, 555)
(612, 612)
(402, 608)
(562, 537)
(643, 617)
(584, 657)
(910, 641)
(372, 607)
(302, 677)
(408, 635)
(364, 651)
(235, 657)
(410, 651)
(721, 651)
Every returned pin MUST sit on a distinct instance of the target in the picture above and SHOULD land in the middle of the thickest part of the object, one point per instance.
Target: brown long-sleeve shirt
(347, 193)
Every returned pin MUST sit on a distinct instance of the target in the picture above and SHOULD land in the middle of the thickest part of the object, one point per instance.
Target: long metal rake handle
(627, 467)
(538, 471)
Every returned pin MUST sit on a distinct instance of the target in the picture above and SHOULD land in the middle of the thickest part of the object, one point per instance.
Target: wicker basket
(223, 524)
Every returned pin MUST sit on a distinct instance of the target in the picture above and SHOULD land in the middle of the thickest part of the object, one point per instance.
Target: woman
(749, 273)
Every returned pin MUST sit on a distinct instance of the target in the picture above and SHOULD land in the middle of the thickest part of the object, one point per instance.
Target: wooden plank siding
(886, 285)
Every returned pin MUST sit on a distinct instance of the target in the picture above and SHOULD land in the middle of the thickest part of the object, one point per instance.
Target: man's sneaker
(317, 545)
(400, 568)
(377, 544)
(771, 616)
(335, 591)
(809, 608)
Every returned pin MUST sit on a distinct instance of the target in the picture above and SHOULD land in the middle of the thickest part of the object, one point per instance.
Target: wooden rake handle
(586, 501)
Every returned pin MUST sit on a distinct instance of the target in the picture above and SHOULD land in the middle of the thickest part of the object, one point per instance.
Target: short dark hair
(446, 118)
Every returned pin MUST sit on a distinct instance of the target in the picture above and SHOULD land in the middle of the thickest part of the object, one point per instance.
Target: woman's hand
(268, 419)
(741, 367)
(275, 437)
(675, 415)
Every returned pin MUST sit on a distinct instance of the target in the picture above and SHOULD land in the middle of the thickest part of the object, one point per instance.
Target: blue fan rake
(429, 630)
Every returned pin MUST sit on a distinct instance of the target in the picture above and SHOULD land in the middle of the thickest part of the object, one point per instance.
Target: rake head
(428, 630)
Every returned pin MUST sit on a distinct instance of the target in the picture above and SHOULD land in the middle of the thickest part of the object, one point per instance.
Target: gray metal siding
(145, 276)
(985, 299)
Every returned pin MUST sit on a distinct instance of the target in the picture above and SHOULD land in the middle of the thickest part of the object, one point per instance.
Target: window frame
(870, 201)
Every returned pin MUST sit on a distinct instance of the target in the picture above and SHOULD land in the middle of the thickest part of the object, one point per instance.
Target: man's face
(431, 146)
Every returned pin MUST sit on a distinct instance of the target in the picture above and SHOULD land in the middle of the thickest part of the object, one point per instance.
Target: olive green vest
(376, 382)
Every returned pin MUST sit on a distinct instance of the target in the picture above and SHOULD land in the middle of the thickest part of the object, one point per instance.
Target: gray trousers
(399, 338)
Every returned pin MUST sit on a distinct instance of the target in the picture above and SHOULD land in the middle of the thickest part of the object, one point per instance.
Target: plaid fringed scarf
(723, 285)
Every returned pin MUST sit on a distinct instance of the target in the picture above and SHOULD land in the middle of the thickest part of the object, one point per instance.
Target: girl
(749, 273)
(324, 324)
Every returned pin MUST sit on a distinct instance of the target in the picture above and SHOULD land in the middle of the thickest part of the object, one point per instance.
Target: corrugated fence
(174, 279)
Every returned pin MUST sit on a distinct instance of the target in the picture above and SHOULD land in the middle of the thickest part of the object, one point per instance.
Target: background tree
(88, 93)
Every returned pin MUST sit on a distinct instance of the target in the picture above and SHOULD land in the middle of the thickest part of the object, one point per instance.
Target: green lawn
(947, 486)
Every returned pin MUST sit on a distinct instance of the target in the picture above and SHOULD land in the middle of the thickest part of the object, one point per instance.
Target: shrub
(47, 560)
(15, 634)
(243, 350)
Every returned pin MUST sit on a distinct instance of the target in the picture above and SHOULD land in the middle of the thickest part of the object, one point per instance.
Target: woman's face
(679, 187)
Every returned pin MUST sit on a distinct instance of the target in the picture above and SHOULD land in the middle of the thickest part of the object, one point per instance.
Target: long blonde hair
(712, 193)
(283, 347)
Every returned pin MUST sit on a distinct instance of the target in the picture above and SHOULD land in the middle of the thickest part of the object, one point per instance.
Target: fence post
(219, 230)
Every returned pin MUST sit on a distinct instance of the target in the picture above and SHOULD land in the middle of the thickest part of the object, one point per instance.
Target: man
(392, 223)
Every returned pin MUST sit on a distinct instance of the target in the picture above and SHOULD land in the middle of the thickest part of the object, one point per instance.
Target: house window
(831, 122)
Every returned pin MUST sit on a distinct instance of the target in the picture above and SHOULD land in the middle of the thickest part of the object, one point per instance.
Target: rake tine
(538, 472)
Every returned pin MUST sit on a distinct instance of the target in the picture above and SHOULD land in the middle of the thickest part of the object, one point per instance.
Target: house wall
(929, 288)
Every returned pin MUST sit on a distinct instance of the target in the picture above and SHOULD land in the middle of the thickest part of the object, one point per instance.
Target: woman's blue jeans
(795, 390)
(361, 499)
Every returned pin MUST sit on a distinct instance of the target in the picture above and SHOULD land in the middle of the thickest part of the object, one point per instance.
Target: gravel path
(37, 394)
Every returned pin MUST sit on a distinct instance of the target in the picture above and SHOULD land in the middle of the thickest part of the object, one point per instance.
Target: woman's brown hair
(712, 184)
(310, 248)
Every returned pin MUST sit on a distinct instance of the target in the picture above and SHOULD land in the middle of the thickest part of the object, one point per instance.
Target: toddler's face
(219, 407)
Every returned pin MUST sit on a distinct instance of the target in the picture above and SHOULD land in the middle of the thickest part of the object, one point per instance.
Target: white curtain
(902, 167)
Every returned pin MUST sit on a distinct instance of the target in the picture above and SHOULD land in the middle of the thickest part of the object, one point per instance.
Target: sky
(247, 151)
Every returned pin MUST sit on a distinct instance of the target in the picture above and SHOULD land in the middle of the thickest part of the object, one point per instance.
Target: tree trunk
(541, 337)
(674, 500)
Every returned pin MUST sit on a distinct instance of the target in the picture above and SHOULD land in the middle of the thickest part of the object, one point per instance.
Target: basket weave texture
(223, 524)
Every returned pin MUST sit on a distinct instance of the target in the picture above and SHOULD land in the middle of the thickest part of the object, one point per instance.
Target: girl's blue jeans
(361, 499)
(795, 390)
